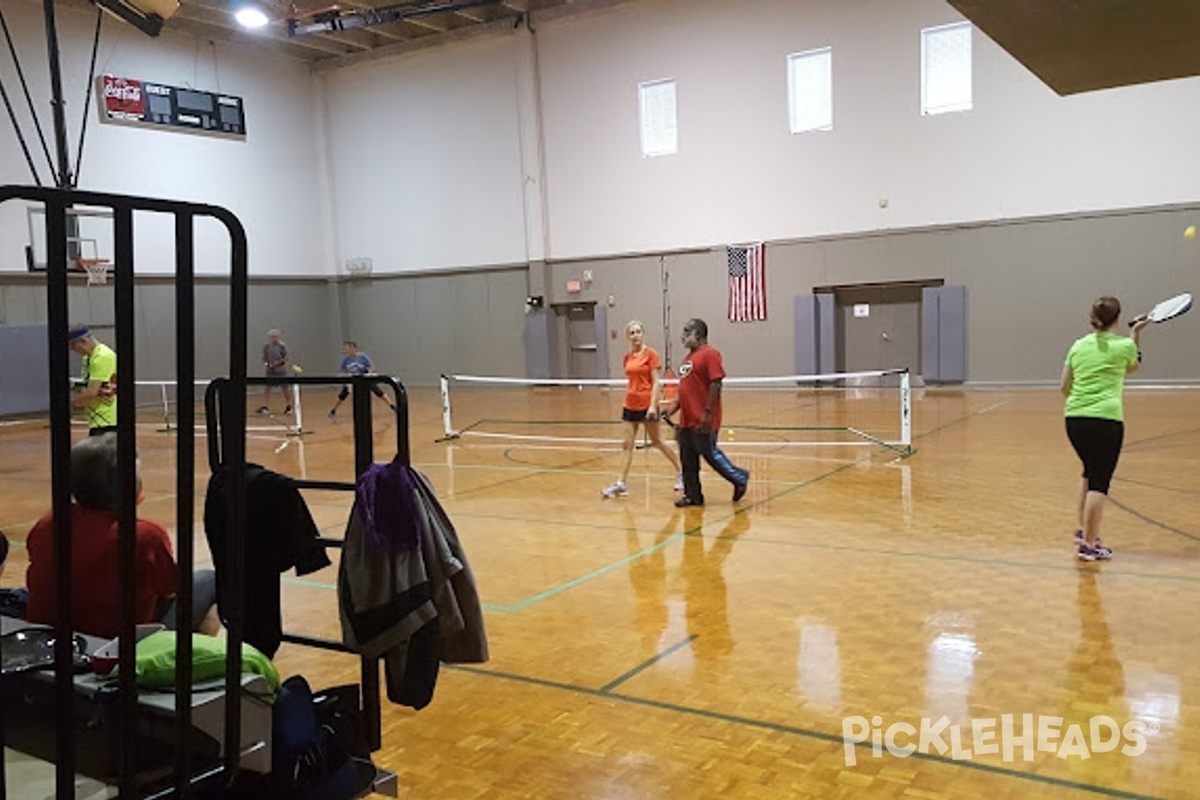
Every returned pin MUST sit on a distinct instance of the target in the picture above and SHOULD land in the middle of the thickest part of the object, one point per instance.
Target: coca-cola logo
(123, 91)
(123, 98)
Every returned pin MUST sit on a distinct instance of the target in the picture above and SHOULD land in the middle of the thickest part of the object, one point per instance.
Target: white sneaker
(618, 489)
(679, 482)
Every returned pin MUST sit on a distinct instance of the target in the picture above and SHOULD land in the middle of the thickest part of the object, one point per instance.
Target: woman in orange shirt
(642, 366)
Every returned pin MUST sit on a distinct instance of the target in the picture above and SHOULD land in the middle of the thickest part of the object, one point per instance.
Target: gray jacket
(415, 608)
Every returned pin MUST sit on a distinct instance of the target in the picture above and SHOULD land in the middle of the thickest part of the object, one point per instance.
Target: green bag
(156, 661)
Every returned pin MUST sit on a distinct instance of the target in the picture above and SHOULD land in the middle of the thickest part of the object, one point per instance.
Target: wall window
(810, 90)
(946, 68)
(656, 114)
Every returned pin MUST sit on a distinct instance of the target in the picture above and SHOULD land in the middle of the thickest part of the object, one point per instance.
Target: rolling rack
(127, 734)
(222, 406)
(138, 764)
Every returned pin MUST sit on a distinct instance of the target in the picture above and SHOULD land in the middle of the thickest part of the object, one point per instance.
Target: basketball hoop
(96, 269)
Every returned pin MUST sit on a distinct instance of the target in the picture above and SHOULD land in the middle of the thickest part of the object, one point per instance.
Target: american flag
(747, 282)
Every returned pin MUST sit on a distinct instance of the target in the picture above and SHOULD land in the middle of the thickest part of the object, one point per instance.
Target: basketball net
(96, 269)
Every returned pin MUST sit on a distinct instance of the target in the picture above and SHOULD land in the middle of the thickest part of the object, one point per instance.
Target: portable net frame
(158, 404)
(872, 408)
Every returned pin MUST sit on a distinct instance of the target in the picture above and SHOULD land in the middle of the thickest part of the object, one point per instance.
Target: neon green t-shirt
(1098, 363)
(101, 366)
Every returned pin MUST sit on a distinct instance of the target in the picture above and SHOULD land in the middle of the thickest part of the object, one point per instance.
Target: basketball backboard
(89, 237)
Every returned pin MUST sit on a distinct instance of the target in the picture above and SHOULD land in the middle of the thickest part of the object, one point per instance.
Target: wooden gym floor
(640, 651)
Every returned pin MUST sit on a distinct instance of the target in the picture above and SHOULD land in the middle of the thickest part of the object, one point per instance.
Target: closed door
(577, 324)
(879, 328)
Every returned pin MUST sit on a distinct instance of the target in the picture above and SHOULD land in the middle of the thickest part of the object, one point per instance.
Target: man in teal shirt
(1093, 381)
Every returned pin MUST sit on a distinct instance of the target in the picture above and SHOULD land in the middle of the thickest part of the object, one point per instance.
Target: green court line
(645, 665)
(960, 420)
(537, 598)
(1168, 435)
(988, 562)
(1160, 487)
(541, 469)
(333, 588)
(562, 587)
(543, 423)
(530, 473)
(807, 733)
(556, 523)
(1151, 521)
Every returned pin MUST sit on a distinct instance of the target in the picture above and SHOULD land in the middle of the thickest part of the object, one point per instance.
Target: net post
(447, 427)
(299, 415)
(905, 411)
(166, 428)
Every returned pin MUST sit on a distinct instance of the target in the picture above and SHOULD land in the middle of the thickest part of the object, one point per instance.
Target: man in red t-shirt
(699, 404)
(95, 593)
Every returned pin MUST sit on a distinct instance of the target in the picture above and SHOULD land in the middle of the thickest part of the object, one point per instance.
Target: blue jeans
(694, 443)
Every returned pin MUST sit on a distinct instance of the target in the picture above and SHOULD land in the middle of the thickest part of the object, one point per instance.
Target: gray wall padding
(806, 335)
(24, 369)
(826, 333)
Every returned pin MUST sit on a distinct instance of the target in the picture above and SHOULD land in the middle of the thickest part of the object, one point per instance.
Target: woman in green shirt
(1093, 381)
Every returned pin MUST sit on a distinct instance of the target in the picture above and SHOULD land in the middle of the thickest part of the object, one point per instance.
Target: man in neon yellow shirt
(96, 391)
(1093, 381)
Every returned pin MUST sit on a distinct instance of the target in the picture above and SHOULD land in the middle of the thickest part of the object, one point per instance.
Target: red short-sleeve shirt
(95, 599)
(696, 375)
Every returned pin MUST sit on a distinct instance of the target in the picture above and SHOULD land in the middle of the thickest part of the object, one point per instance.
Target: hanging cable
(87, 95)
(29, 100)
(12, 115)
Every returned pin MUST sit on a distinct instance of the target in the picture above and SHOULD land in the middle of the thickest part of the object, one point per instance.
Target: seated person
(95, 596)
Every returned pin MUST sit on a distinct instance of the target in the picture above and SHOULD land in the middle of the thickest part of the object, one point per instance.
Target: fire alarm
(573, 286)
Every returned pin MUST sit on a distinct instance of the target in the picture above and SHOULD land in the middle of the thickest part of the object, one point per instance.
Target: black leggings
(1098, 444)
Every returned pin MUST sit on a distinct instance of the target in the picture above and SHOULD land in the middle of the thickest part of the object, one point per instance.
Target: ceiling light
(251, 16)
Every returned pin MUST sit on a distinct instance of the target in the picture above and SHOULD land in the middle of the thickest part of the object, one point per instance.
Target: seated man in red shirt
(95, 595)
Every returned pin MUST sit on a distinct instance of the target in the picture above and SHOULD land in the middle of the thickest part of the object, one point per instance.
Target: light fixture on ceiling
(250, 15)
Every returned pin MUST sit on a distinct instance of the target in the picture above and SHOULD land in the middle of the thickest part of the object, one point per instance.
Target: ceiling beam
(203, 20)
(377, 30)
(201, 30)
(462, 34)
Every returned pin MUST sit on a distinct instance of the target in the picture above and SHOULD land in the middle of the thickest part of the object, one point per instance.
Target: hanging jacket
(408, 599)
(280, 535)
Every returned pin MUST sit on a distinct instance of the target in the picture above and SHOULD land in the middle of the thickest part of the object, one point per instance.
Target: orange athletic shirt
(639, 369)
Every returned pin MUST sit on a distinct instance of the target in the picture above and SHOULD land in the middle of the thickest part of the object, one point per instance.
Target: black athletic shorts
(629, 415)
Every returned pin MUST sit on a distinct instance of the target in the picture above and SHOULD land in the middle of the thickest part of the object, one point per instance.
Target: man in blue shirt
(356, 363)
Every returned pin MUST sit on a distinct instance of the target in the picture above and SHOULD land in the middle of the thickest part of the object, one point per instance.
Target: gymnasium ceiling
(1071, 45)
(334, 33)
(1084, 45)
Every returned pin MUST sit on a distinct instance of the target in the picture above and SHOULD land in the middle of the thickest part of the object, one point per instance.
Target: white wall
(425, 159)
(740, 175)
(270, 180)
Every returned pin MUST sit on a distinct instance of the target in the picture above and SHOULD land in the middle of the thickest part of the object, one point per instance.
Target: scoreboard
(137, 102)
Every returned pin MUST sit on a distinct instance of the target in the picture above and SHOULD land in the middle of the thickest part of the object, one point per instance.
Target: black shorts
(1097, 442)
(629, 415)
(345, 392)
